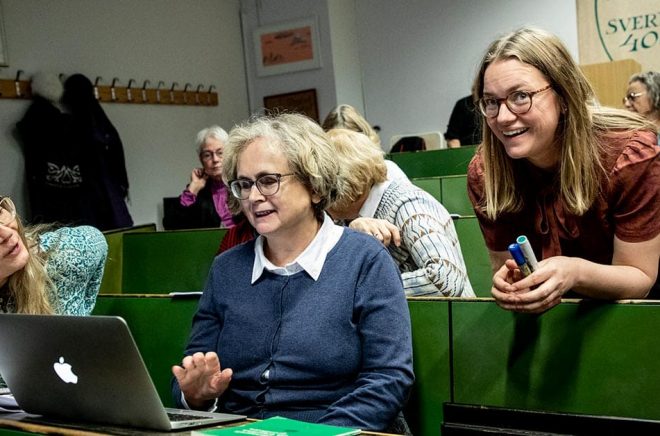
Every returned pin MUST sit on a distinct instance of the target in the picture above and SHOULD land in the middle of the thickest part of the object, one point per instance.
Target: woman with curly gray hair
(310, 319)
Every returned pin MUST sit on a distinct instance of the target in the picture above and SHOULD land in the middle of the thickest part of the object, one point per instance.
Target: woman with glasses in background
(309, 321)
(204, 201)
(643, 96)
(45, 271)
(580, 181)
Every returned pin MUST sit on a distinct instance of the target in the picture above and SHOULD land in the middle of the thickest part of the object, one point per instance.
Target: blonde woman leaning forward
(423, 242)
(580, 181)
(48, 272)
(347, 117)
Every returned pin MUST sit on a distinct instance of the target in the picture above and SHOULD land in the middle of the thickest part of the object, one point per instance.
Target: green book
(278, 426)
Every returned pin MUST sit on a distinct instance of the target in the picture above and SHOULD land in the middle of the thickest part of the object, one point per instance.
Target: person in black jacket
(464, 126)
(52, 156)
(103, 168)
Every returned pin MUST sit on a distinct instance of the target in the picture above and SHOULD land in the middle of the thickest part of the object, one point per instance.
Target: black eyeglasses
(518, 102)
(208, 155)
(267, 184)
(632, 96)
(7, 211)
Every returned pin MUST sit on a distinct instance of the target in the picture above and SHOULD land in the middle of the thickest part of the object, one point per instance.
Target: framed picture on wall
(4, 58)
(303, 102)
(287, 47)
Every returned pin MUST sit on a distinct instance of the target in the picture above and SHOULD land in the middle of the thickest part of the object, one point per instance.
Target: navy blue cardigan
(337, 350)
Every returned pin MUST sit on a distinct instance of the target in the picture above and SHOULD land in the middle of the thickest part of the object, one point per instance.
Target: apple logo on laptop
(64, 371)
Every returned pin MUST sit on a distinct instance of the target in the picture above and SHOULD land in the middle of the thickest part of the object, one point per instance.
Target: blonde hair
(346, 117)
(362, 165)
(306, 147)
(31, 287)
(580, 132)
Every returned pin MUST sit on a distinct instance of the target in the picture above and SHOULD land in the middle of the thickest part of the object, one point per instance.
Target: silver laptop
(88, 368)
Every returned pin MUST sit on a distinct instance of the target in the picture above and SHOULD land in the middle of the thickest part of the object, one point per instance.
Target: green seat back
(475, 254)
(169, 261)
(111, 283)
(454, 195)
(160, 326)
(587, 357)
(445, 162)
(430, 335)
(432, 185)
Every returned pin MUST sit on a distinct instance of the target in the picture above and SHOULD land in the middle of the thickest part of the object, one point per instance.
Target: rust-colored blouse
(627, 206)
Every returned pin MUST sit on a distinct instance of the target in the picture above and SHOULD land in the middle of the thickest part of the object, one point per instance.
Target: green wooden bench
(160, 326)
(475, 254)
(586, 357)
(580, 357)
(445, 162)
(168, 261)
(112, 274)
(430, 323)
(451, 191)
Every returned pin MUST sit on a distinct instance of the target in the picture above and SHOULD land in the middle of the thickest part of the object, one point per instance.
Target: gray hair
(308, 151)
(651, 80)
(216, 132)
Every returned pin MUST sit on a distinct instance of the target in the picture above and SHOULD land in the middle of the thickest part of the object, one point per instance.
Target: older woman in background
(310, 319)
(643, 96)
(204, 201)
(582, 182)
(428, 253)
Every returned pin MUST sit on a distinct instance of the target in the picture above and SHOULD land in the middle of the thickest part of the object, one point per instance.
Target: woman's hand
(197, 180)
(201, 379)
(537, 292)
(382, 230)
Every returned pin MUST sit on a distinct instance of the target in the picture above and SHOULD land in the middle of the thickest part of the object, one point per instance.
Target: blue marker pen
(518, 256)
(527, 251)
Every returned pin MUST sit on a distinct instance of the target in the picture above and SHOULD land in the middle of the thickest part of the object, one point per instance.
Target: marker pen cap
(517, 254)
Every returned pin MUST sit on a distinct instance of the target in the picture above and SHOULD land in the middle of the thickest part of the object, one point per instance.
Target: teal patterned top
(76, 258)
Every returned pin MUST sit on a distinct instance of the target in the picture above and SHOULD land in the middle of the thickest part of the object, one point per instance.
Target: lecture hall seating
(430, 163)
(169, 260)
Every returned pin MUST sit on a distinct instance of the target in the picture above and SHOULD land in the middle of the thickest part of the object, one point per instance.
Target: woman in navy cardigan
(308, 321)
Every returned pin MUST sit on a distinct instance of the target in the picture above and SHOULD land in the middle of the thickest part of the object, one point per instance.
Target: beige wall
(170, 40)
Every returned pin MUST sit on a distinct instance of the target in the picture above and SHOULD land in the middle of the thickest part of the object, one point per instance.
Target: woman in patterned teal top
(48, 272)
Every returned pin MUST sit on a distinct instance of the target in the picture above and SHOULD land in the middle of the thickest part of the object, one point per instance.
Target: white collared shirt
(370, 205)
(310, 260)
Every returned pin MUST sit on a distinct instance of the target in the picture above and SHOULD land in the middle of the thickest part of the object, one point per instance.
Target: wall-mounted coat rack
(130, 93)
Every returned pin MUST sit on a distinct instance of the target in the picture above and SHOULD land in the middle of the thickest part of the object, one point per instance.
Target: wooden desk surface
(29, 424)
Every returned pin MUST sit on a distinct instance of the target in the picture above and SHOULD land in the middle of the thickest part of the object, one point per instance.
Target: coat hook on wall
(185, 92)
(172, 91)
(197, 91)
(96, 86)
(208, 95)
(161, 83)
(144, 90)
(129, 93)
(113, 93)
(21, 88)
(17, 84)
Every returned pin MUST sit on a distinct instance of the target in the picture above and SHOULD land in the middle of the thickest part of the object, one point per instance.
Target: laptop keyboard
(175, 417)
